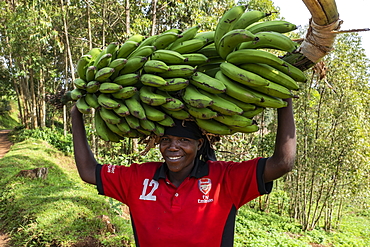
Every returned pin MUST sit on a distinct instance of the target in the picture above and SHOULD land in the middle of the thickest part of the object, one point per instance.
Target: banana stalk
(324, 13)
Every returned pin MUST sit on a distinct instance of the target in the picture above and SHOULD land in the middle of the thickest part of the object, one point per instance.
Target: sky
(353, 13)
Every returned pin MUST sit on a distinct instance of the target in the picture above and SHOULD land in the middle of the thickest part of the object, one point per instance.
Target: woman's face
(179, 152)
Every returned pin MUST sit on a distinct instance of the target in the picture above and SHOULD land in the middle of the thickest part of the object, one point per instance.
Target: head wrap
(190, 129)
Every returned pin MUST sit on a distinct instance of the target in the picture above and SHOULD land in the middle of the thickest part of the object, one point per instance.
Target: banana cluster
(220, 79)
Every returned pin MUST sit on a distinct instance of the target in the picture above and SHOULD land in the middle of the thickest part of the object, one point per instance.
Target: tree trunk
(154, 17)
(127, 10)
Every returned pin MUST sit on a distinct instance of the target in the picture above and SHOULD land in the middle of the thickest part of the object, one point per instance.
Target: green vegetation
(8, 114)
(57, 211)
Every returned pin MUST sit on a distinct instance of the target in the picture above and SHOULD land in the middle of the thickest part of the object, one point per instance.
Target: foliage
(57, 211)
(8, 114)
(332, 129)
(54, 136)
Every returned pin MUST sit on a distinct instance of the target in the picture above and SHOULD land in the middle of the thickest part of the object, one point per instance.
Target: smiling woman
(171, 202)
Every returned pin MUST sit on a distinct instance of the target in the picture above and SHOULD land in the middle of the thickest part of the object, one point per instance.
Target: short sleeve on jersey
(263, 188)
(99, 184)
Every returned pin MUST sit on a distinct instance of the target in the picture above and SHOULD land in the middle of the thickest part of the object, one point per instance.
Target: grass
(9, 119)
(58, 211)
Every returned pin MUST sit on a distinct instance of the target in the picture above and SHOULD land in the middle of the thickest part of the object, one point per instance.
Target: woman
(190, 199)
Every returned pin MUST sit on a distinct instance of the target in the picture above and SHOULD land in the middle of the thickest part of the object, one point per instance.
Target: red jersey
(200, 212)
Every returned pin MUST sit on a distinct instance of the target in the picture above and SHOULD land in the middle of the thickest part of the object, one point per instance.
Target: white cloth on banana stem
(319, 40)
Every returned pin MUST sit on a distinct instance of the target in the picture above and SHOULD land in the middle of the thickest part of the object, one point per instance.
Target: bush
(54, 136)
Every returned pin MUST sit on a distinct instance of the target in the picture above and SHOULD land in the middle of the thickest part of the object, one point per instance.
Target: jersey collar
(200, 169)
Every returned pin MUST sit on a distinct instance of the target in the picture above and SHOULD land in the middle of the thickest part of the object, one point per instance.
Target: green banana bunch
(221, 78)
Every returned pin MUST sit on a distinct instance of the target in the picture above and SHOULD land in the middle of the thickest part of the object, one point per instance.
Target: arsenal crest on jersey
(205, 185)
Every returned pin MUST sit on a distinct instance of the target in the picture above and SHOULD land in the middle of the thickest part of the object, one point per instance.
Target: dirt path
(4, 142)
(5, 145)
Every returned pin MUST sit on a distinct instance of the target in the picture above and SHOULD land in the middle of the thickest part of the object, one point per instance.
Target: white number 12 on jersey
(149, 197)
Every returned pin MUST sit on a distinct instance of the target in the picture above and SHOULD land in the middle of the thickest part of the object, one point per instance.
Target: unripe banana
(165, 39)
(112, 48)
(136, 37)
(207, 36)
(148, 96)
(90, 73)
(201, 113)
(246, 129)
(82, 65)
(133, 65)
(109, 116)
(244, 106)
(159, 130)
(147, 125)
(133, 122)
(92, 100)
(143, 131)
(127, 48)
(105, 101)
(292, 71)
(187, 34)
(82, 106)
(135, 107)
(153, 80)
(102, 129)
(153, 113)
(174, 104)
(270, 101)
(167, 122)
(209, 51)
(117, 65)
(147, 41)
(195, 59)
(174, 84)
(279, 26)
(77, 93)
(125, 92)
(189, 46)
(193, 97)
(178, 70)
(97, 59)
(144, 51)
(271, 40)
(109, 87)
(250, 17)
(92, 86)
(122, 110)
(94, 53)
(127, 79)
(103, 61)
(234, 120)
(222, 105)
(155, 66)
(115, 129)
(227, 22)
(272, 74)
(254, 56)
(214, 127)
(237, 90)
(103, 74)
(168, 56)
(79, 83)
(123, 126)
(232, 39)
(252, 113)
(181, 114)
(243, 76)
(207, 83)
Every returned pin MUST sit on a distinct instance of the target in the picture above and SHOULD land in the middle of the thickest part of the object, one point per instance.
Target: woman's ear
(200, 143)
